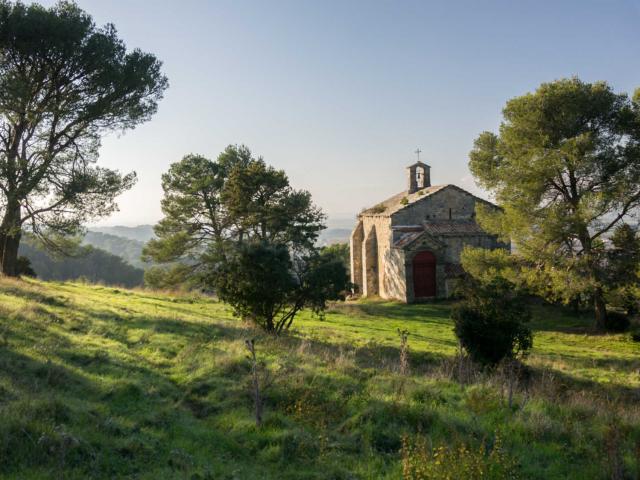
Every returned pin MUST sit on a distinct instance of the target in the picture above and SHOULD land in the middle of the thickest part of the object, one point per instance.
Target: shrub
(616, 322)
(635, 333)
(490, 321)
(267, 284)
(419, 462)
(24, 268)
(379, 208)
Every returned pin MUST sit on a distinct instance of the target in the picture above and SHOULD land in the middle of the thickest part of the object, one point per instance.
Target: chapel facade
(408, 247)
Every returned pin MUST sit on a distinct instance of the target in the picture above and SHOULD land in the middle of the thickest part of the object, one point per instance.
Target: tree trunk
(600, 309)
(10, 233)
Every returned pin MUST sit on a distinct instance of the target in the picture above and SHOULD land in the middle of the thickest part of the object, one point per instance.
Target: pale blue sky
(340, 93)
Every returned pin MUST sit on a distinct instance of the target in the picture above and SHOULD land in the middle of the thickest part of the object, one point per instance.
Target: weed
(459, 461)
(135, 385)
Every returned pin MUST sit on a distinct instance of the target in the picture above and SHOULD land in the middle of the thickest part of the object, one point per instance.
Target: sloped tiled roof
(395, 203)
(452, 227)
(434, 229)
(407, 239)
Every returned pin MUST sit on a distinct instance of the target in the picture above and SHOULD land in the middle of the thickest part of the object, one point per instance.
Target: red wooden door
(424, 275)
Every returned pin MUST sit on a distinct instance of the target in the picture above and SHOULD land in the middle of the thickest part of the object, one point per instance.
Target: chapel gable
(408, 246)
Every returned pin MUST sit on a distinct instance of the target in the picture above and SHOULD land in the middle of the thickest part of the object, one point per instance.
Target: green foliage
(485, 265)
(339, 251)
(262, 205)
(91, 264)
(211, 206)
(421, 462)
(265, 285)
(193, 211)
(379, 208)
(491, 321)
(64, 83)
(24, 267)
(624, 255)
(617, 322)
(622, 269)
(126, 384)
(176, 276)
(565, 168)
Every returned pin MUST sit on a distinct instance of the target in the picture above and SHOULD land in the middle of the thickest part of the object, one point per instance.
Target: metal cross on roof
(418, 152)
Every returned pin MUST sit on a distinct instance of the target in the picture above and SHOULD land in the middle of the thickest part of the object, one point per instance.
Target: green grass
(97, 382)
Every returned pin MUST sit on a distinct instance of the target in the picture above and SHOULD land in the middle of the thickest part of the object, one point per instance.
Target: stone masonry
(408, 246)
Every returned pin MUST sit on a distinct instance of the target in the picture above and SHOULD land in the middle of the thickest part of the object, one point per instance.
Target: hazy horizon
(340, 94)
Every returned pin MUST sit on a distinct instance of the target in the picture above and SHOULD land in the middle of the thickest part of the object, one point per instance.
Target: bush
(616, 322)
(24, 268)
(635, 333)
(419, 462)
(490, 321)
(268, 285)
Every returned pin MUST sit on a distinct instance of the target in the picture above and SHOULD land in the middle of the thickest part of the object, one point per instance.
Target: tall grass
(97, 382)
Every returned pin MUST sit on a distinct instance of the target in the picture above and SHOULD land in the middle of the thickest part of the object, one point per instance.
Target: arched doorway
(424, 275)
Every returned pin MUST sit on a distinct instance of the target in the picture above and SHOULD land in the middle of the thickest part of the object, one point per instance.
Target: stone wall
(437, 206)
(379, 269)
(381, 226)
(370, 262)
(395, 275)
(355, 244)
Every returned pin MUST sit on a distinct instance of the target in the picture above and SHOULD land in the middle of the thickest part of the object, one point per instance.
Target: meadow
(100, 382)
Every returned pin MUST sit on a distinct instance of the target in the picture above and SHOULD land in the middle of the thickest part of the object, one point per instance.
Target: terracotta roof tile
(406, 239)
(453, 227)
(395, 203)
(392, 204)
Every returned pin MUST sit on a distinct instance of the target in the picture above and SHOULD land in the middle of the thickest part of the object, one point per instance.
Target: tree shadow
(32, 294)
(396, 310)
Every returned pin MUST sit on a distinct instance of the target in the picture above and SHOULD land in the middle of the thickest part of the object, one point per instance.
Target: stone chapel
(408, 247)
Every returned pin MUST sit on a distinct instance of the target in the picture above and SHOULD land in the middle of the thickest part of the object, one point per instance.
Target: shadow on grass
(28, 291)
(396, 310)
(28, 375)
(556, 385)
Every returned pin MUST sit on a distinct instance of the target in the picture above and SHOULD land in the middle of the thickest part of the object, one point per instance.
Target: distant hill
(347, 222)
(96, 265)
(141, 233)
(333, 235)
(126, 248)
(127, 242)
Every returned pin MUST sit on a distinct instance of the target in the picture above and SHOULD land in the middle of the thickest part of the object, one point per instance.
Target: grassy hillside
(98, 382)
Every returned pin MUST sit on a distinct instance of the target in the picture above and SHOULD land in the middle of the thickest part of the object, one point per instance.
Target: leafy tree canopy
(64, 82)
(236, 226)
(565, 168)
(210, 206)
(340, 251)
(264, 284)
